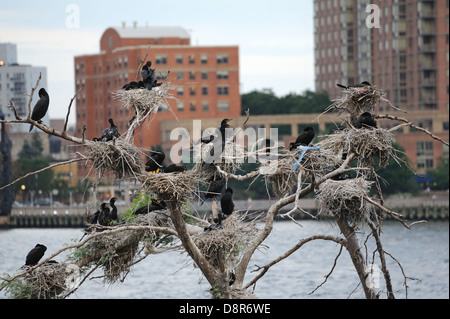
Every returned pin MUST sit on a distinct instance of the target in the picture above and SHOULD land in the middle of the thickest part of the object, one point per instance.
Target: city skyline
(275, 42)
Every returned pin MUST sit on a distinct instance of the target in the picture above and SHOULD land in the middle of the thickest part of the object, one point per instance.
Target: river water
(422, 251)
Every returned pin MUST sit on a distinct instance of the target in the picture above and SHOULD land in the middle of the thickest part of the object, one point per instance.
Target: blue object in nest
(304, 150)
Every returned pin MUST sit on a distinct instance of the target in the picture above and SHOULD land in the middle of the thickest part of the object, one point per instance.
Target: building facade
(17, 80)
(206, 79)
(402, 47)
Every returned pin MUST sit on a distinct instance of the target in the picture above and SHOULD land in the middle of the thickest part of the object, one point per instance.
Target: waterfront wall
(410, 209)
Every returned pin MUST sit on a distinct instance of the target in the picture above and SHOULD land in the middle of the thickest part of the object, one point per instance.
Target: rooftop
(152, 32)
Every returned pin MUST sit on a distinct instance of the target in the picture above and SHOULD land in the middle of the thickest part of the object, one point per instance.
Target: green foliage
(16, 289)
(266, 102)
(397, 178)
(440, 173)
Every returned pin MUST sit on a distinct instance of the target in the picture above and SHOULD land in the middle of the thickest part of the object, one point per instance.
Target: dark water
(422, 251)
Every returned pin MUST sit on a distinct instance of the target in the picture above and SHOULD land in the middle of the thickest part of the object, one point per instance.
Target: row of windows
(221, 90)
(222, 106)
(191, 59)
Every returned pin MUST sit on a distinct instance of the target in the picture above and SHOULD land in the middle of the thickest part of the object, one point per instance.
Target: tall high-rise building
(207, 80)
(402, 47)
(17, 80)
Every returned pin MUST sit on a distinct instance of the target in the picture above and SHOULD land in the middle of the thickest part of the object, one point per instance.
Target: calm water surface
(423, 252)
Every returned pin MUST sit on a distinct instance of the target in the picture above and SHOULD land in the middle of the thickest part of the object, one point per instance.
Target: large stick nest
(224, 247)
(369, 145)
(344, 197)
(179, 186)
(145, 101)
(358, 100)
(45, 282)
(280, 175)
(317, 162)
(117, 156)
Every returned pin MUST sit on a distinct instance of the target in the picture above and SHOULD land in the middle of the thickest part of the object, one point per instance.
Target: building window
(222, 58)
(161, 59)
(192, 91)
(179, 59)
(204, 59)
(180, 91)
(179, 75)
(205, 106)
(193, 106)
(192, 75)
(222, 90)
(191, 59)
(204, 75)
(222, 75)
(205, 90)
(180, 106)
(223, 106)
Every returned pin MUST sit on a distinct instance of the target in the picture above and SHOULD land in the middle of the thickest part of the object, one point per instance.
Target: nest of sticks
(370, 145)
(345, 197)
(115, 253)
(280, 175)
(45, 282)
(317, 162)
(223, 247)
(144, 101)
(117, 156)
(358, 100)
(179, 186)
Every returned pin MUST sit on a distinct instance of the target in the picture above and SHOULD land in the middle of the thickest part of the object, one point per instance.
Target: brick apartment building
(406, 54)
(207, 80)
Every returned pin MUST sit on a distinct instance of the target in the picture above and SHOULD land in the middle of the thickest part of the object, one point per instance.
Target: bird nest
(145, 101)
(368, 144)
(316, 162)
(344, 197)
(358, 100)
(117, 156)
(45, 282)
(280, 175)
(223, 248)
(179, 186)
(115, 253)
(231, 159)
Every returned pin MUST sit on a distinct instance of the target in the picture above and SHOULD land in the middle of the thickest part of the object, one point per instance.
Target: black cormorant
(216, 184)
(219, 144)
(173, 168)
(35, 255)
(303, 139)
(362, 84)
(113, 214)
(111, 132)
(217, 224)
(154, 164)
(226, 202)
(41, 107)
(365, 120)
(154, 205)
(94, 218)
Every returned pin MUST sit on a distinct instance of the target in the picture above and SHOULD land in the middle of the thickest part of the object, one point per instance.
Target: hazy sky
(275, 38)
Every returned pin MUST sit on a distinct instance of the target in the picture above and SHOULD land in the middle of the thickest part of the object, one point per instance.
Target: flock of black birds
(106, 216)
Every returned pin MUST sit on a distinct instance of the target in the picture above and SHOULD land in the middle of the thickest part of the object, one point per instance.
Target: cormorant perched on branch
(35, 255)
(217, 225)
(365, 120)
(154, 164)
(173, 168)
(109, 133)
(226, 202)
(303, 139)
(102, 211)
(154, 205)
(219, 144)
(215, 187)
(362, 84)
(41, 107)
(113, 214)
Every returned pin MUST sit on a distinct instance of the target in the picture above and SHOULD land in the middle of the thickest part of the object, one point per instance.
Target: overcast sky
(275, 38)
